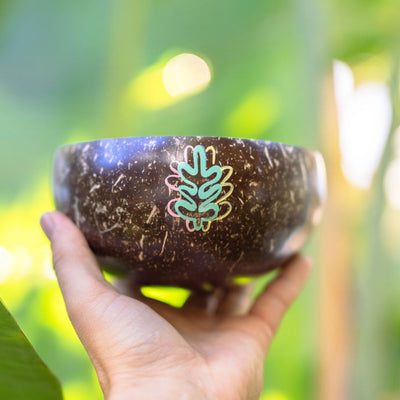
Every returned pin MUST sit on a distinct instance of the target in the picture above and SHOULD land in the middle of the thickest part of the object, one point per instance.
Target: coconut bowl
(190, 211)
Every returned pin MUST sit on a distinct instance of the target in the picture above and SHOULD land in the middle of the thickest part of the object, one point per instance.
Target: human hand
(145, 349)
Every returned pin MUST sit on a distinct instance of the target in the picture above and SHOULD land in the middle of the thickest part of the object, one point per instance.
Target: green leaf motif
(199, 200)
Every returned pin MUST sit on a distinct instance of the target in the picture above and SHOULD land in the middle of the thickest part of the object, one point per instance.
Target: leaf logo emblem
(202, 187)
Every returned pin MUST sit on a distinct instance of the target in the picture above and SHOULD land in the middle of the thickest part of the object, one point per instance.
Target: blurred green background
(82, 70)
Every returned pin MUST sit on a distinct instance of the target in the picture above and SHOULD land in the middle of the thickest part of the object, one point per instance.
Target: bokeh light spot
(364, 116)
(5, 264)
(185, 74)
(22, 262)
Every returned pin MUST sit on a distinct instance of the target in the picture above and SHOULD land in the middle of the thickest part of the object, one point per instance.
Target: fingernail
(47, 224)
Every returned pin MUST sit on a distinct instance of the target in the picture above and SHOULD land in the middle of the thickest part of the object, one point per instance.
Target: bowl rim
(159, 137)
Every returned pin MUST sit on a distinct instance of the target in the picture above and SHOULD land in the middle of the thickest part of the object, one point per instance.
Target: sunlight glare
(22, 262)
(185, 74)
(364, 117)
(6, 262)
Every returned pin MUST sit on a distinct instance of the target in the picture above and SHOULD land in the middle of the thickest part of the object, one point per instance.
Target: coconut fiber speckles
(190, 210)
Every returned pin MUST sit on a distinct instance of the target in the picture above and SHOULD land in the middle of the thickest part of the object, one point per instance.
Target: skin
(211, 348)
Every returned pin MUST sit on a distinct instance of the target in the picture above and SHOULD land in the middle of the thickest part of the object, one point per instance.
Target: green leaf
(23, 375)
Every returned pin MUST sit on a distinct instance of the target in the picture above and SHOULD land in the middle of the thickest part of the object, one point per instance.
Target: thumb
(78, 273)
(280, 293)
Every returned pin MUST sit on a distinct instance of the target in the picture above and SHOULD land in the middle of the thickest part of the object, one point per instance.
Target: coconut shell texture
(190, 211)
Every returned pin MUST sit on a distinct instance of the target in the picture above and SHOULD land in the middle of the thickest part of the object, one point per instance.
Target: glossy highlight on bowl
(190, 210)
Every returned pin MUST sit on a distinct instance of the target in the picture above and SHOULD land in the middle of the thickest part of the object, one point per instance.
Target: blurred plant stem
(127, 24)
(374, 301)
(334, 259)
(309, 15)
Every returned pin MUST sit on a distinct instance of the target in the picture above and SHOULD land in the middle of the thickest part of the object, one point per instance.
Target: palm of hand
(141, 344)
(221, 355)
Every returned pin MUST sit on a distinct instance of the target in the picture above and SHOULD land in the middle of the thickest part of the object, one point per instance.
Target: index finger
(76, 267)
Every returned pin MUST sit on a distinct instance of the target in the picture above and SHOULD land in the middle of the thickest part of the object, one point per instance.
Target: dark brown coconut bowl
(190, 211)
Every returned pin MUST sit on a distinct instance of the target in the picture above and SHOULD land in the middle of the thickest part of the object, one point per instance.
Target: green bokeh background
(66, 74)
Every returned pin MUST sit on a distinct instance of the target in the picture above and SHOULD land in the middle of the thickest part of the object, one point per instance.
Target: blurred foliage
(82, 70)
(22, 373)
